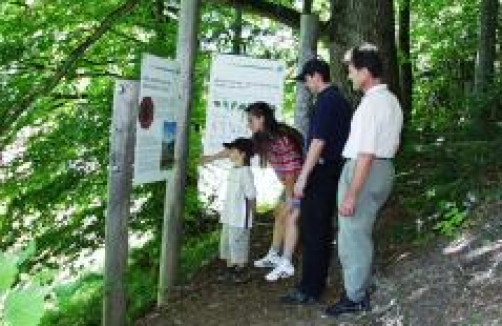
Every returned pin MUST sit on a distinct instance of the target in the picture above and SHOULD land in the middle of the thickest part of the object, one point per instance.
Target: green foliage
(196, 253)
(8, 271)
(80, 303)
(453, 218)
(444, 99)
(22, 297)
(55, 188)
(445, 181)
(77, 304)
(24, 307)
(449, 154)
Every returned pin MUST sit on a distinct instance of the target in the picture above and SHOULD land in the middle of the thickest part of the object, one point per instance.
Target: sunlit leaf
(27, 253)
(8, 271)
(24, 307)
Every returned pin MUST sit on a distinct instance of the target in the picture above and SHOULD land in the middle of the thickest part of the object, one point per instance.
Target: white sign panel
(236, 82)
(159, 102)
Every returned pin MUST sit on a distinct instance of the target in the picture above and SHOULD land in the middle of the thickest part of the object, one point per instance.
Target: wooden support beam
(120, 173)
(175, 193)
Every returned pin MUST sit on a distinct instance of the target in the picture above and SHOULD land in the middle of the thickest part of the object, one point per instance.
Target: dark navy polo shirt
(330, 121)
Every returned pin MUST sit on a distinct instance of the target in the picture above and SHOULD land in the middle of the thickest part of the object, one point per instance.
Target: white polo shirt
(240, 189)
(376, 125)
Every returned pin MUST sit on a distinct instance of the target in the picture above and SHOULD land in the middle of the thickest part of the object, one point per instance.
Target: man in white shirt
(367, 176)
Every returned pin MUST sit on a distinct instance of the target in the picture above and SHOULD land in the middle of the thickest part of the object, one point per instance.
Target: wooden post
(125, 104)
(173, 211)
(308, 46)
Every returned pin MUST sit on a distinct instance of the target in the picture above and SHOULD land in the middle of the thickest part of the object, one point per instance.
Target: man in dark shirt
(318, 180)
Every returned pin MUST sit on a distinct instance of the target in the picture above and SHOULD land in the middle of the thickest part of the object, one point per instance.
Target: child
(238, 210)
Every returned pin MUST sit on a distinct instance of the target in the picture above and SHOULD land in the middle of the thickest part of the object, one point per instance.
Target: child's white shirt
(240, 191)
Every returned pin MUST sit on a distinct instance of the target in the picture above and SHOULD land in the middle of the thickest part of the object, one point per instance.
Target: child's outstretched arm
(206, 159)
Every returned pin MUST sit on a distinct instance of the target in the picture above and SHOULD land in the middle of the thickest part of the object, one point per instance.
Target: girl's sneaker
(269, 261)
(283, 270)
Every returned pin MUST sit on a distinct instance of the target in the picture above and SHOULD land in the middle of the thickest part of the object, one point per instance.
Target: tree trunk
(307, 6)
(237, 28)
(486, 45)
(406, 72)
(356, 21)
(337, 48)
(308, 49)
(485, 63)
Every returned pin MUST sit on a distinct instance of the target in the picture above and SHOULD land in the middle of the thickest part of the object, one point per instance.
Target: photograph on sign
(168, 142)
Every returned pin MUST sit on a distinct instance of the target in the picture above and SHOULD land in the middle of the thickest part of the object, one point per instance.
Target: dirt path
(447, 283)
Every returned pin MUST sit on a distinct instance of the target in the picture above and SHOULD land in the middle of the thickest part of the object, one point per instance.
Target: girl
(281, 146)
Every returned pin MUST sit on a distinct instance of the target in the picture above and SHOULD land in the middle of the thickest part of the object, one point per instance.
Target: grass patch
(81, 303)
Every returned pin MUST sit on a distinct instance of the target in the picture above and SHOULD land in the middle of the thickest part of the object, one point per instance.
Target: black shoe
(345, 305)
(239, 275)
(297, 297)
(225, 276)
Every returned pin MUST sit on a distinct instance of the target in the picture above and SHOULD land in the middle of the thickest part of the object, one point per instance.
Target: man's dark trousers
(316, 226)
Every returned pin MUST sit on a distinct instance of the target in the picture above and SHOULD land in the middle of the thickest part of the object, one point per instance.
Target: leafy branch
(9, 117)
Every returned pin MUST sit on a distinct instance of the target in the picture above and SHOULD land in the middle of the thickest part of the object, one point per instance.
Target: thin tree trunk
(307, 6)
(406, 71)
(237, 28)
(485, 63)
(307, 50)
(486, 45)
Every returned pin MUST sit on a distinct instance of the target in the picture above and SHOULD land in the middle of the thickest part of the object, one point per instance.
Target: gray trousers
(355, 243)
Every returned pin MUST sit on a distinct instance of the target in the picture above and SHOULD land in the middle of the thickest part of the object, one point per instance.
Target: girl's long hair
(272, 129)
